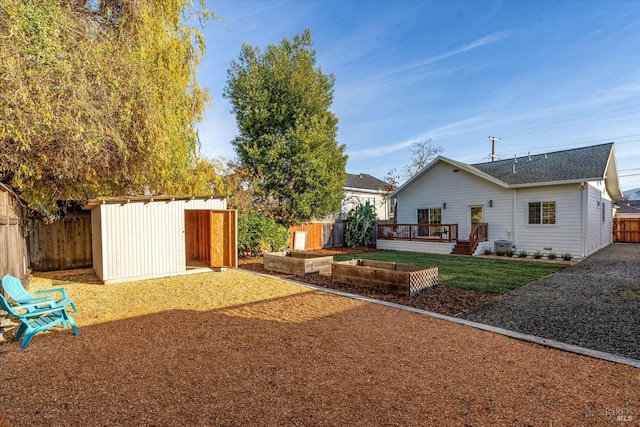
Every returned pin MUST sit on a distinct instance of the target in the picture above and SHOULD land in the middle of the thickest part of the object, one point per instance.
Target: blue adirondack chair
(34, 319)
(14, 290)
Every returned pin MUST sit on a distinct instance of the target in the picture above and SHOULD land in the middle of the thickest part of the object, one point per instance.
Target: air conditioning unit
(502, 245)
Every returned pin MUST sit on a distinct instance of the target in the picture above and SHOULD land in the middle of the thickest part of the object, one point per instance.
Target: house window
(430, 216)
(542, 212)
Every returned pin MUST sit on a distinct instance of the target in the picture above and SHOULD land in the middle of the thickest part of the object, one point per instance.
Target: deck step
(462, 248)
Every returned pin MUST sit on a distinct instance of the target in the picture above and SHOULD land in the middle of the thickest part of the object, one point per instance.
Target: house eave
(365, 190)
(547, 183)
(458, 165)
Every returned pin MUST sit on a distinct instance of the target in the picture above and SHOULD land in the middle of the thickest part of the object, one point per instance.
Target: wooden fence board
(62, 244)
(13, 245)
(626, 230)
(320, 235)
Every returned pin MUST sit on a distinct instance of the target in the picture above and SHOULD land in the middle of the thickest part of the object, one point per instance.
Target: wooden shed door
(211, 238)
(223, 239)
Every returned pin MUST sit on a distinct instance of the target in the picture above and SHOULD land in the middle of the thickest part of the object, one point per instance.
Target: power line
(575, 119)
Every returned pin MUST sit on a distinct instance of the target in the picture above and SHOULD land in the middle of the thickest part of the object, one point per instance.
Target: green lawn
(496, 276)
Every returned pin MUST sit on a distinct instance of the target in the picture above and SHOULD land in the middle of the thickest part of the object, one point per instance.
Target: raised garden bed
(297, 262)
(401, 279)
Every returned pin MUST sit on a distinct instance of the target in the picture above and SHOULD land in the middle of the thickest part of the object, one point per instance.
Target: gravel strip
(593, 304)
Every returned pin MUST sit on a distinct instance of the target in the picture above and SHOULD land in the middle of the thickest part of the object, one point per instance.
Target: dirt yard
(237, 349)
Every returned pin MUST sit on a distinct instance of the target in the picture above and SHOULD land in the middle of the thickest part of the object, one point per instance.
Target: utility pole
(493, 146)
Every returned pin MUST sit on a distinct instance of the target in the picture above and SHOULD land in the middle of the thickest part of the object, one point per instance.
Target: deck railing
(419, 232)
(479, 233)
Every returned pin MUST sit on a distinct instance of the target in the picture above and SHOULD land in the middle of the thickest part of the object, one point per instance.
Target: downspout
(583, 206)
(514, 220)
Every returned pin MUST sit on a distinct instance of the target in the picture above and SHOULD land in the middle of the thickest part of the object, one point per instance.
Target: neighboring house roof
(592, 163)
(364, 181)
(628, 206)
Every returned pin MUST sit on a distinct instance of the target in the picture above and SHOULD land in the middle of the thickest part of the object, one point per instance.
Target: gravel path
(593, 304)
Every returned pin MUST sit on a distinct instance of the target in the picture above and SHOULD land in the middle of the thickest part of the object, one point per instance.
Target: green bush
(488, 251)
(567, 257)
(538, 254)
(500, 252)
(552, 255)
(257, 234)
(361, 226)
(509, 252)
(523, 254)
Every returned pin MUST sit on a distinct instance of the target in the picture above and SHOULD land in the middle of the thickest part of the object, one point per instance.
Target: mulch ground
(233, 348)
(442, 299)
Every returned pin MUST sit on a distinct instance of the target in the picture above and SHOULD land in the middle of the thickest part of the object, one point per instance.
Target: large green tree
(98, 97)
(287, 133)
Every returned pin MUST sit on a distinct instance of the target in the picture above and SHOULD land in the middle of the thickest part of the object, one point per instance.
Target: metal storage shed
(151, 237)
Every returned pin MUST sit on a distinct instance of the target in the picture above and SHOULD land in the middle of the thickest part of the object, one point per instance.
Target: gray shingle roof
(629, 206)
(567, 165)
(364, 181)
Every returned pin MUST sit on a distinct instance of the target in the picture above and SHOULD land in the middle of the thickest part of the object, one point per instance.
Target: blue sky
(541, 75)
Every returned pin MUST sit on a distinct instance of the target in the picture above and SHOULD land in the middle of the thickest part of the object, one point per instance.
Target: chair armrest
(61, 291)
(33, 310)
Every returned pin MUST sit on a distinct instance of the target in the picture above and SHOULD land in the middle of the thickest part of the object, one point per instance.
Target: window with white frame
(542, 212)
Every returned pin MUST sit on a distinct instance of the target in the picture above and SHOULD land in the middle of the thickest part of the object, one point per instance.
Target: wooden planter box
(402, 279)
(297, 262)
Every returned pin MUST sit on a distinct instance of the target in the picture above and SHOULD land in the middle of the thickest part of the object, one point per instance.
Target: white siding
(459, 190)
(377, 200)
(413, 246)
(565, 236)
(96, 242)
(598, 232)
(144, 239)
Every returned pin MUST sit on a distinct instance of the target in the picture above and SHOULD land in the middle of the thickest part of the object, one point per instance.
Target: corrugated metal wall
(145, 239)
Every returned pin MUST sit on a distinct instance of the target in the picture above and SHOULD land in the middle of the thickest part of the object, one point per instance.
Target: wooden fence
(61, 244)
(320, 234)
(13, 245)
(626, 230)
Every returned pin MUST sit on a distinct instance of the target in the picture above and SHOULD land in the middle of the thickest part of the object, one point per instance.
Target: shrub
(361, 225)
(552, 255)
(257, 234)
(500, 252)
(567, 257)
(538, 254)
(509, 252)
(523, 254)
(488, 251)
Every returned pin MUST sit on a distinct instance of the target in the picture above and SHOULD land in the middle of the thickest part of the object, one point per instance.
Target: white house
(147, 237)
(552, 202)
(361, 188)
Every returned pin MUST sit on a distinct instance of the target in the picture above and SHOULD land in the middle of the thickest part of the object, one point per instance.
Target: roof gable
(365, 181)
(592, 163)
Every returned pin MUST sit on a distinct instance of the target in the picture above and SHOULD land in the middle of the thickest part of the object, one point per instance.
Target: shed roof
(90, 204)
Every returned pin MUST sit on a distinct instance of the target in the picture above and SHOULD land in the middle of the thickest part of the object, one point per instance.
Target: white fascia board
(364, 190)
(546, 183)
(460, 165)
